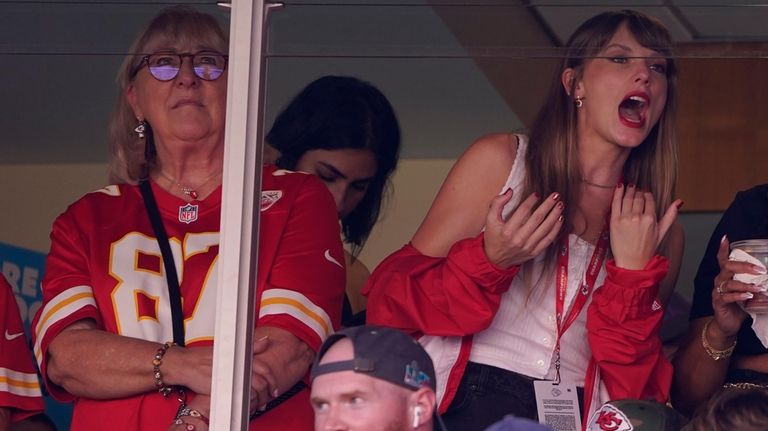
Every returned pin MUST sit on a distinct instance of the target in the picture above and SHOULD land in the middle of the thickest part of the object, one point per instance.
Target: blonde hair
(551, 161)
(174, 25)
(733, 409)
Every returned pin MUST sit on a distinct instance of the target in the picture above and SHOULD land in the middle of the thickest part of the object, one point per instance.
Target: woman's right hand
(727, 293)
(263, 382)
(529, 230)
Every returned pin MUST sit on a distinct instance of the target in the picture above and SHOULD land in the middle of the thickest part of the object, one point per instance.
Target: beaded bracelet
(711, 351)
(157, 361)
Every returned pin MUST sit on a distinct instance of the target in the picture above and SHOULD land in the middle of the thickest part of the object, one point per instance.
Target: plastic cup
(757, 248)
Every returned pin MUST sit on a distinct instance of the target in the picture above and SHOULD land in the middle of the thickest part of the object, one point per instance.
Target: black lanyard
(174, 292)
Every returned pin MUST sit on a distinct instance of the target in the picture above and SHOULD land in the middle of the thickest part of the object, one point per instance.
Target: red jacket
(447, 300)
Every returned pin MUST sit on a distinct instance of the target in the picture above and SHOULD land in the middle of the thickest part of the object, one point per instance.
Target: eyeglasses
(207, 65)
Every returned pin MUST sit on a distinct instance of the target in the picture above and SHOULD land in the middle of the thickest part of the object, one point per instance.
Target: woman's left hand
(202, 404)
(635, 231)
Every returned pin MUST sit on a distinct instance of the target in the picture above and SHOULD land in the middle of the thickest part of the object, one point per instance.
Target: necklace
(187, 190)
(601, 186)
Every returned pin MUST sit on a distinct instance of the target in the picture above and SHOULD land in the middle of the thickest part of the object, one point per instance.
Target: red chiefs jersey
(105, 264)
(19, 387)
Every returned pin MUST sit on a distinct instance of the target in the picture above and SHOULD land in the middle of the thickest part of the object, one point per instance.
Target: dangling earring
(579, 102)
(141, 128)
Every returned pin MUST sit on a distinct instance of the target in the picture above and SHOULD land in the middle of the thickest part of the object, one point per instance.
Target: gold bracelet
(743, 385)
(711, 351)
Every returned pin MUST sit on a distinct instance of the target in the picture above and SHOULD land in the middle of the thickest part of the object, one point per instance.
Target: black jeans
(486, 394)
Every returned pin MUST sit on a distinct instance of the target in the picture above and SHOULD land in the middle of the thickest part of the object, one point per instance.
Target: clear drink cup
(757, 248)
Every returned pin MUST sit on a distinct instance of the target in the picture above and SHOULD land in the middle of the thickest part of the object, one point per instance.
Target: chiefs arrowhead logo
(269, 197)
(609, 418)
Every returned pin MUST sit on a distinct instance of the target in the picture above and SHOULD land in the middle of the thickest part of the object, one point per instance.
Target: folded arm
(88, 362)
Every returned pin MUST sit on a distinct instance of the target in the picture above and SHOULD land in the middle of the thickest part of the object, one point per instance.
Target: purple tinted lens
(164, 73)
(207, 72)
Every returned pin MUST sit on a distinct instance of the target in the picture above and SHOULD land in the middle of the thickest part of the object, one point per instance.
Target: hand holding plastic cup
(755, 251)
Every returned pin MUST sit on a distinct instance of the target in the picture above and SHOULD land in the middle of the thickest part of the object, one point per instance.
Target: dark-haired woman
(549, 257)
(710, 356)
(343, 130)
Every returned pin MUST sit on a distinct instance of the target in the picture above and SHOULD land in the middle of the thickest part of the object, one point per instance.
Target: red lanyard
(595, 263)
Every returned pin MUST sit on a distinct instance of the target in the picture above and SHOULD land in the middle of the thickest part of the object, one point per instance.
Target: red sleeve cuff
(469, 255)
(632, 293)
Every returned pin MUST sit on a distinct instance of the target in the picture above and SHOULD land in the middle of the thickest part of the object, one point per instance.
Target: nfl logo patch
(269, 197)
(188, 213)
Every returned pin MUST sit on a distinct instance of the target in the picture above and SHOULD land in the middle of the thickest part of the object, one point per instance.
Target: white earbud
(416, 417)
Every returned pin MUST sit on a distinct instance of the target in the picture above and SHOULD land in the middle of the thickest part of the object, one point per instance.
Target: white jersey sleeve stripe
(282, 301)
(60, 307)
(17, 383)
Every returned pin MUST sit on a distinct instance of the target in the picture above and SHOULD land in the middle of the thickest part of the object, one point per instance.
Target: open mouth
(632, 110)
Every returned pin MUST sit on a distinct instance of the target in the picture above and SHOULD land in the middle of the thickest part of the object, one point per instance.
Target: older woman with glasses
(127, 323)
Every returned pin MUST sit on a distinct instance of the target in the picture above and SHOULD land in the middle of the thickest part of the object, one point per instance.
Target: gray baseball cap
(382, 353)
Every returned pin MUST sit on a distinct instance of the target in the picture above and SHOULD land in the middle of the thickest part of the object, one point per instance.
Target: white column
(239, 219)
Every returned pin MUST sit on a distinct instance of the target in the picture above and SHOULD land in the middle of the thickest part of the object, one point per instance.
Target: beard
(397, 425)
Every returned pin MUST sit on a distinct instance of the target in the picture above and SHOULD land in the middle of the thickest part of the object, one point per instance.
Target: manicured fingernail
(560, 205)
(723, 239)
(555, 196)
(275, 393)
(262, 408)
(561, 218)
(508, 191)
(747, 295)
(266, 337)
(536, 195)
(619, 185)
(680, 204)
(630, 185)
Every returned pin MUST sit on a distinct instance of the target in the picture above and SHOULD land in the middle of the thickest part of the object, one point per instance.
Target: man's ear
(425, 401)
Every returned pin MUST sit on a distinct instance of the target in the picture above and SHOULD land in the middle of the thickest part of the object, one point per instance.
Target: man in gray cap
(374, 379)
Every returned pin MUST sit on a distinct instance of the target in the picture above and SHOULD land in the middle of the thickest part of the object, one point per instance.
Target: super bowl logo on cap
(269, 197)
(188, 213)
(609, 418)
(415, 377)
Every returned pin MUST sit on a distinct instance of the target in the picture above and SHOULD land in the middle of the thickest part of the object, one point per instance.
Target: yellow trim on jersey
(197, 340)
(60, 307)
(282, 301)
(18, 383)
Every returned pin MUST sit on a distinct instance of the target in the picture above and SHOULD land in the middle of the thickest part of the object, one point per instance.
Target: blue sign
(23, 269)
